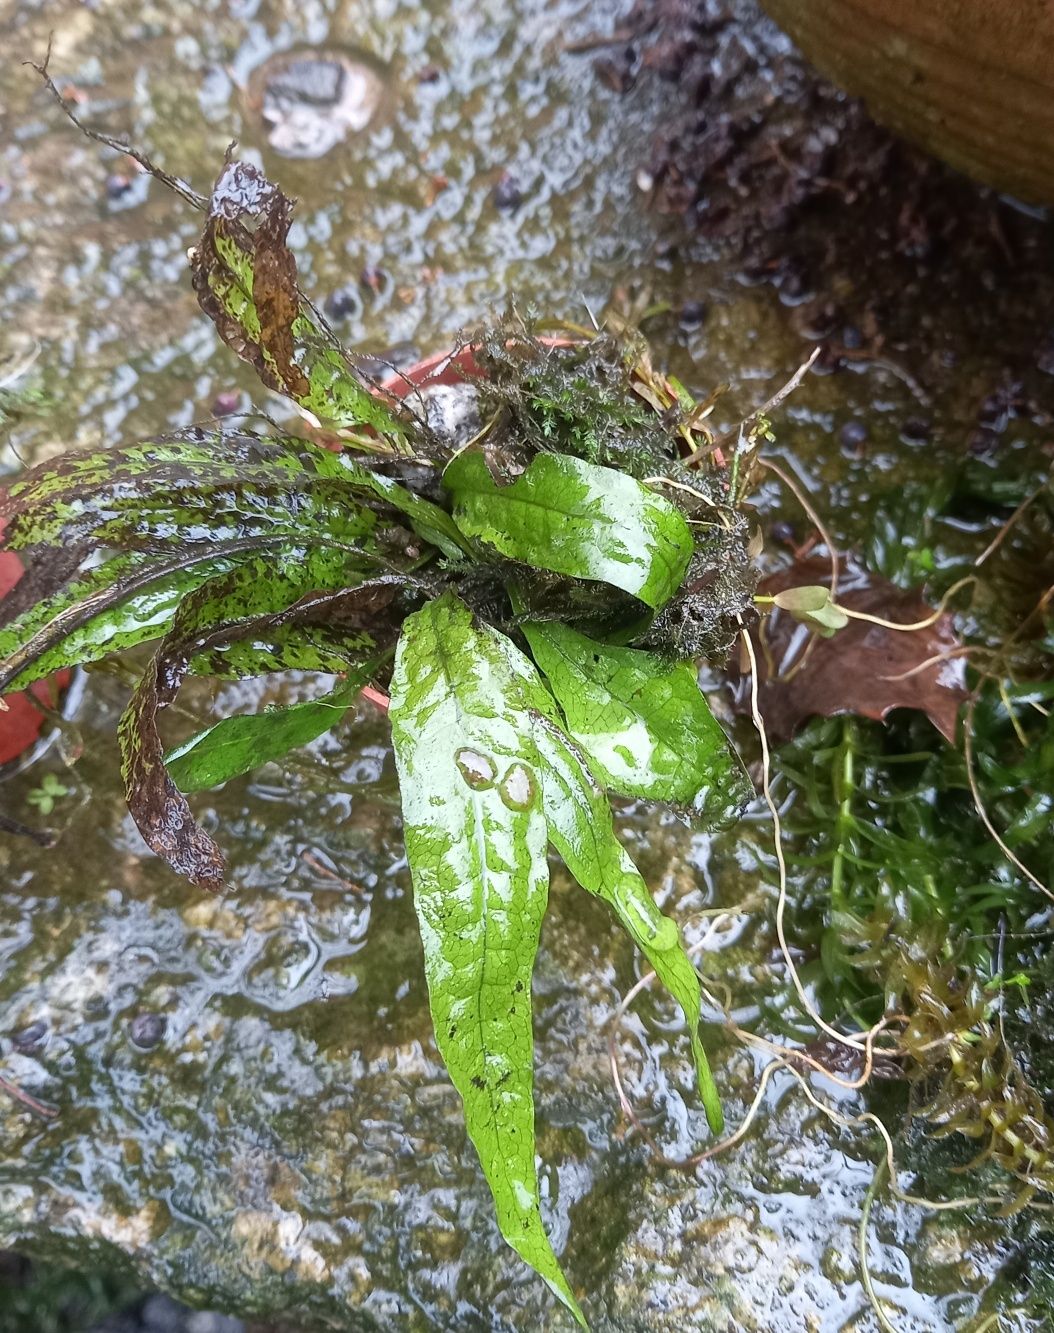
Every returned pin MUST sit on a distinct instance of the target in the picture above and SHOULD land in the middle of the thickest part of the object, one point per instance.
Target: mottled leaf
(865, 668)
(130, 599)
(645, 724)
(245, 278)
(126, 600)
(237, 745)
(574, 518)
(233, 607)
(476, 844)
(429, 521)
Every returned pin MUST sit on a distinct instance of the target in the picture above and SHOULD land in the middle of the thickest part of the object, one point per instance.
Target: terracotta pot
(972, 81)
(22, 724)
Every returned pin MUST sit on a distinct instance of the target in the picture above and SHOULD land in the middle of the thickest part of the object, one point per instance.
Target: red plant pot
(22, 723)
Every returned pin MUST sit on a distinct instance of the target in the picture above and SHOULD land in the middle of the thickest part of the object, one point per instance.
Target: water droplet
(518, 787)
(477, 769)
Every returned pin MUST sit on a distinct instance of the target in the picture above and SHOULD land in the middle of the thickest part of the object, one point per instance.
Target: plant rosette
(532, 601)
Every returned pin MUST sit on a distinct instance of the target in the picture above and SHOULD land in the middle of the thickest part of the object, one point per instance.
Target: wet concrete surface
(252, 1114)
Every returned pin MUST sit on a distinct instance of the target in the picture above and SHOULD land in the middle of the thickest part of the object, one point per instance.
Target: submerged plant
(501, 593)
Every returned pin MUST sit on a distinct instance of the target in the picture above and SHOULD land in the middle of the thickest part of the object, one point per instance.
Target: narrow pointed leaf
(284, 647)
(230, 608)
(476, 844)
(132, 598)
(237, 745)
(582, 831)
(245, 278)
(645, 724)
(429, 521)
(577, 519)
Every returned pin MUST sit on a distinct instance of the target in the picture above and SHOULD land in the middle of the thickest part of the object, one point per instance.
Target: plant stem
(844, 786)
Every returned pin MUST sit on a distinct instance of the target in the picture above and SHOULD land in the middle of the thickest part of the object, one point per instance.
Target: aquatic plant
(525, 604)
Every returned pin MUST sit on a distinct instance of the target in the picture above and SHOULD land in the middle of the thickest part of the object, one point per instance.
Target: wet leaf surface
(476, 843)
(645, 724)
(237, 745)
(244, 605)
(575, 518)
(863, 668)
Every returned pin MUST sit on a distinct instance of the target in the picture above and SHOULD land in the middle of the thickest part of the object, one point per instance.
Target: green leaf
(645, 725)
(239, 744)
(131, 598)
(582, 831)
(811, 605)
(476, 844)
(577, 519)
(284, 647)
(247, 604)
(429, 521)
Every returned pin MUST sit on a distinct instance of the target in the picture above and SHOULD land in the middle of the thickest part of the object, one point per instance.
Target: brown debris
(863, 669)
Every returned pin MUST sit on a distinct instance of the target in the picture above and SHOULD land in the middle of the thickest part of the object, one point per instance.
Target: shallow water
(293, 1081)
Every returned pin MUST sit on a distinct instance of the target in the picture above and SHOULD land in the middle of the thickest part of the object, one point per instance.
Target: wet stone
(147, 1030)
(452, 411)
(26, 1038)
(310, 101)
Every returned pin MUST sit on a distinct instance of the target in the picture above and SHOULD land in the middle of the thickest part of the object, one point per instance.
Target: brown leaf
(856, 670)
(160, 810)
(243, 252)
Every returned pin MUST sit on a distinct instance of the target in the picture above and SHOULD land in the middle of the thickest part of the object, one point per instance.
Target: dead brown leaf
(243, 255)
(864, 668)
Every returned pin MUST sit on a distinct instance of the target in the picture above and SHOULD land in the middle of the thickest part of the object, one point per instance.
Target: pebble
(852, 438)
(507, 195)
(915, 431)
(312, 100)
(226, 402)
(374, 278)
(25, 1038)
(147, 1030)
(344, 303)
(161, 1314)
(982, 442)
(117, 185)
